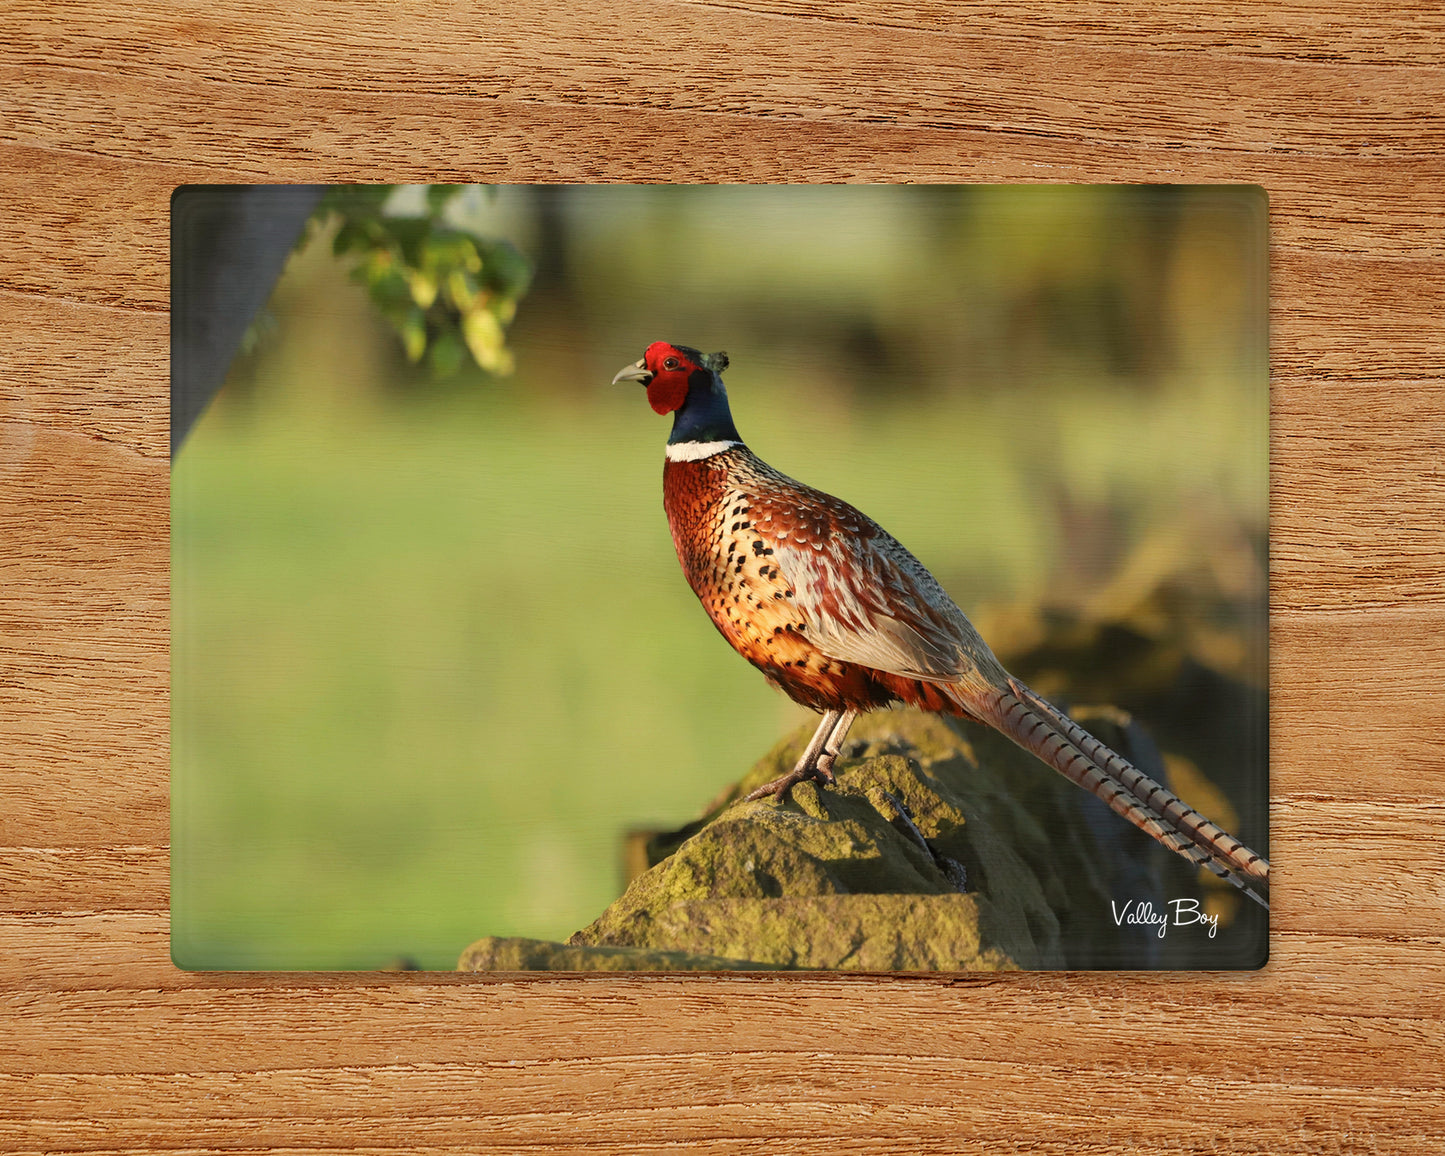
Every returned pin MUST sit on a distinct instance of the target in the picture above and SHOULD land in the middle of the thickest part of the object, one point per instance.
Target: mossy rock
(942, 847)
(496, 953)
(835, 932)
(836, 877)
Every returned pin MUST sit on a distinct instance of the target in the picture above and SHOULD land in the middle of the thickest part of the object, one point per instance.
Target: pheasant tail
(1067, 747)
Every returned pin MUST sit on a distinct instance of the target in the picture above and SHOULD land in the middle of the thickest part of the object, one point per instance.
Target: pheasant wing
(865, 598)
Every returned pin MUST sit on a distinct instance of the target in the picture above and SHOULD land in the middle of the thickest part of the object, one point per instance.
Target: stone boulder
(942, 847)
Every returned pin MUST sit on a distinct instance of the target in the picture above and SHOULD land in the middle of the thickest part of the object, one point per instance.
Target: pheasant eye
(670, 363)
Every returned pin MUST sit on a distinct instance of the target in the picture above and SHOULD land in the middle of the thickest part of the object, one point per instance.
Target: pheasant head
(687, 384)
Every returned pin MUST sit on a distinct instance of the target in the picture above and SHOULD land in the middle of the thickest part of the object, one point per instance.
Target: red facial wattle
(667, 391)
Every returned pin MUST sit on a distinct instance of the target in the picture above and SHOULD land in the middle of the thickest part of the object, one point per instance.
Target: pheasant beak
(637, 372)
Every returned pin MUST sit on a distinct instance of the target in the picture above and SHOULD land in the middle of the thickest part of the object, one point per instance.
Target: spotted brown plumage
(841, 617)
(723, 510)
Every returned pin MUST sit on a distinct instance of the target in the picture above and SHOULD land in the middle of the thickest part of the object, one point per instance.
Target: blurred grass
(433, 657)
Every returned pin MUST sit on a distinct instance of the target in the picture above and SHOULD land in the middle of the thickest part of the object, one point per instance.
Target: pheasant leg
(834, 746)
(818, 759)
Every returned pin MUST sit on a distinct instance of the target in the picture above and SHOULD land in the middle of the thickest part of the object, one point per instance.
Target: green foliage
(448, 291)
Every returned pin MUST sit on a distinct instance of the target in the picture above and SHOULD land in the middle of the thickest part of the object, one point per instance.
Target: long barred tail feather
(1063, 744)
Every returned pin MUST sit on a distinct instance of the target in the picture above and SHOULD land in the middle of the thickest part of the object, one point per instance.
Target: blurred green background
(433, 655)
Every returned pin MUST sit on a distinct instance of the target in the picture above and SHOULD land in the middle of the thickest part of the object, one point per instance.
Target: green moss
(832, 932)
(517, 954)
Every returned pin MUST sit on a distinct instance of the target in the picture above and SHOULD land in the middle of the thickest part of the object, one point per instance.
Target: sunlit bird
(837, 614)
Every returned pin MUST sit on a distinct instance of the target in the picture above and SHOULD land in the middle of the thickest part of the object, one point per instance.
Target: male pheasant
(836, 613)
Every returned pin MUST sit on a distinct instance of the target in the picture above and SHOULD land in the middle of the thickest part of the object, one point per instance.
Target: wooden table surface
(1337, 1046)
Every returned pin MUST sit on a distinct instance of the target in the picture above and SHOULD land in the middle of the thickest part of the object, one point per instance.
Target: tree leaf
(412, 329)
(445, 354)
(423, 286)
(485, 340)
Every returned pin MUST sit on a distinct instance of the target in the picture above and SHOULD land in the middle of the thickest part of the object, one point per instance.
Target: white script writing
(1186, 913)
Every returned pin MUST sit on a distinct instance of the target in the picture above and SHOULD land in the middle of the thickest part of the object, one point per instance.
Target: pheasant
(838, 615)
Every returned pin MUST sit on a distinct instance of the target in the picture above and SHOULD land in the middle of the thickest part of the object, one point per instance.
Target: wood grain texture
(1335, 108)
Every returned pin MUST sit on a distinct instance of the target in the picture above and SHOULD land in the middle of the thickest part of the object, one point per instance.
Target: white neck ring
(696, 451)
